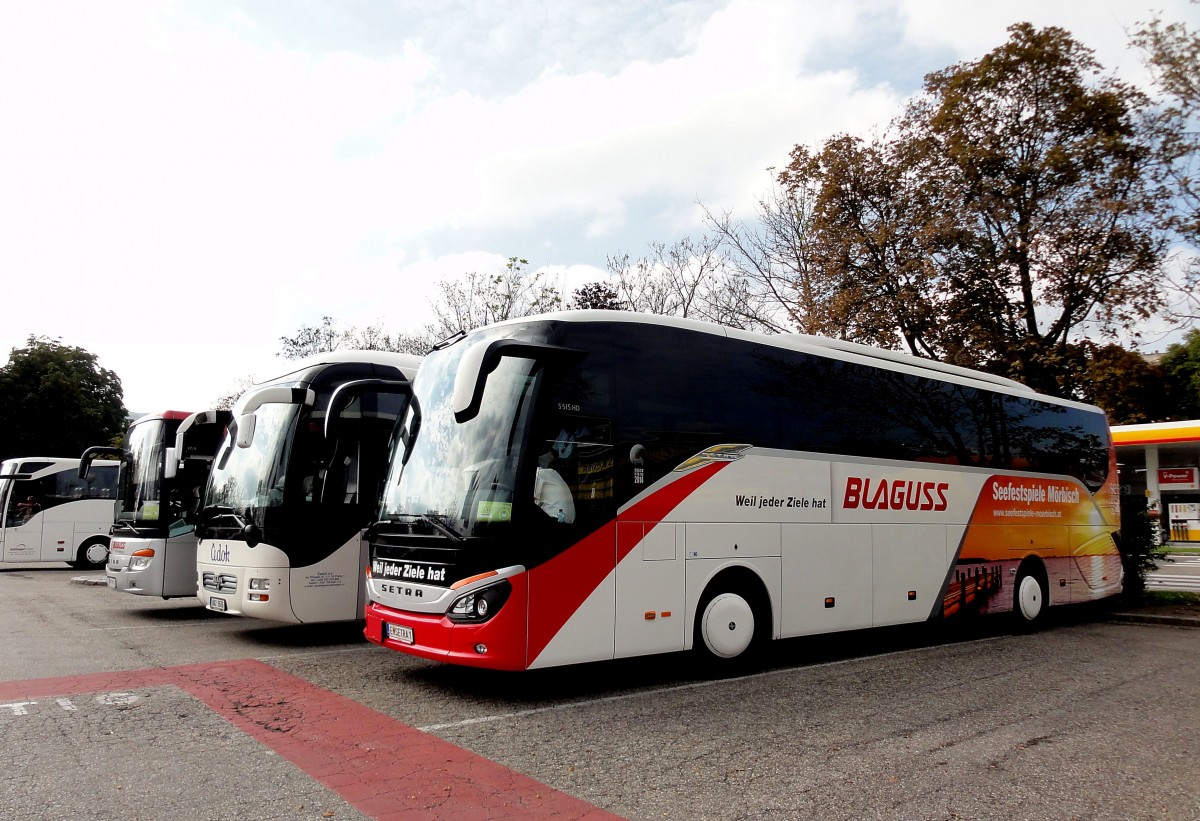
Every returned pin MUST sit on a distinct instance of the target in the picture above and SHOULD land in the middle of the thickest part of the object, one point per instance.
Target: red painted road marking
(383, 767)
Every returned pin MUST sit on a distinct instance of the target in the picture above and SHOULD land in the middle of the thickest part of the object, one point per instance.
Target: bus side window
(27, 509)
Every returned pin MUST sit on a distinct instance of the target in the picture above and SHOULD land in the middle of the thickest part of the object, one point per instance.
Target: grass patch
(1188, 551)
(1171, 597)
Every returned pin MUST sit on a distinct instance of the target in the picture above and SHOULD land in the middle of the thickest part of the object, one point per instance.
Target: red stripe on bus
(560, 586)
(382, 767)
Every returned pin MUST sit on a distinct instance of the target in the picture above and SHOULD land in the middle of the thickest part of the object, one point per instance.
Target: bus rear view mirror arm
(483, 358)
(277, 395)
(93, 453)
(347, 392)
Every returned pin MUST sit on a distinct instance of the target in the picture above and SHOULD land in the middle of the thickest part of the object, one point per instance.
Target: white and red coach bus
(594, 485)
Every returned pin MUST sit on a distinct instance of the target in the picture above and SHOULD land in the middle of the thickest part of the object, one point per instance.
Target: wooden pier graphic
(971, 587)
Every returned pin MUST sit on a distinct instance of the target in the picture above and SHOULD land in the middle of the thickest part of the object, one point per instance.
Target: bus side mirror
(171, 463)
(245, 430)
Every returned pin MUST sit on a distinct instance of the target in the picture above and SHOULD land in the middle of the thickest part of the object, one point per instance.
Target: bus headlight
(260, 584)
(140, 559)
(480, 605)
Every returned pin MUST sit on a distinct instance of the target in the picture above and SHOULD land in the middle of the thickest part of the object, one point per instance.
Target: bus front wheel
(92, 555)
(730, 626)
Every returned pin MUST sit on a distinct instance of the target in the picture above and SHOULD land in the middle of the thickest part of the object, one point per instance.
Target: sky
(183, 183)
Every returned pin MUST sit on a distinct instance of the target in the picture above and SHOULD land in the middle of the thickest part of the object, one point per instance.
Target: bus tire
(92, 555)
(1031, 595)
(732, 623)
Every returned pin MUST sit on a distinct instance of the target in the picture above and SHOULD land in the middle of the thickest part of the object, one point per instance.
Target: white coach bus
(594, 485)
(295, 482)
(165, 460)
(51, 514)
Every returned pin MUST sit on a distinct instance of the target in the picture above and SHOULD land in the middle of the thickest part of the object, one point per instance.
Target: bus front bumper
(497, 644)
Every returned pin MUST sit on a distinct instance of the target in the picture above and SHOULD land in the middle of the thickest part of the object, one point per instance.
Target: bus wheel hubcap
(1029, 596)
(728, 625)
(96, 553)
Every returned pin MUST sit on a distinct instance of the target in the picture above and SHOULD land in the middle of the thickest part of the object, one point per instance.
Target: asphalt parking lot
(115, 706)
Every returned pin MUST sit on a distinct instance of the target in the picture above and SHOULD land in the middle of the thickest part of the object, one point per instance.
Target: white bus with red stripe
(165, 460)
(594, 485)
(295, 482)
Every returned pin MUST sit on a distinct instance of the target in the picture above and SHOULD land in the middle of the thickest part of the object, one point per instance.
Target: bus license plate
(398, 632)
(216, 604)
(111, 581)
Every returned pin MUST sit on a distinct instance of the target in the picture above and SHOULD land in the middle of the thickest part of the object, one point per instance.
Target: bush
(1140, 554)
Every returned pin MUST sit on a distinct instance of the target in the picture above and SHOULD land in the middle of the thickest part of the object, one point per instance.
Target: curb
(97, 580)
(1148, 618)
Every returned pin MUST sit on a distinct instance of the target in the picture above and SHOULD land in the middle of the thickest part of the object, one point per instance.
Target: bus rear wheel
(92, 555)
(1030, 597)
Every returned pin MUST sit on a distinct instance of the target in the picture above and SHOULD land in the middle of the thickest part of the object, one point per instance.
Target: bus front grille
(220, 582)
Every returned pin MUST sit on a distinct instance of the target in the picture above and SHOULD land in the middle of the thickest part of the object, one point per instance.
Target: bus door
(24, 515)
(573, 495)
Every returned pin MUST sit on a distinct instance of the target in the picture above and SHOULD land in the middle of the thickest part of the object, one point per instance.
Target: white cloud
(184, 183)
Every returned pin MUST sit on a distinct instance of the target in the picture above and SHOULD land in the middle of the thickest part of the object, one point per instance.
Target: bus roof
(406, 363)
(817, 346)
(10, 465)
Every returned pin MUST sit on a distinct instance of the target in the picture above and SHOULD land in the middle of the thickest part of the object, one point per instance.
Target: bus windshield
(140, 491)
(460, 477)
(248, 481)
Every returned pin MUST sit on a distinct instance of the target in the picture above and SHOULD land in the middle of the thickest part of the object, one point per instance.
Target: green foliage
(598, 296)
(1181, 364)
(1140, 554)
(1130, 389)
(1180, 597)
(55, 400)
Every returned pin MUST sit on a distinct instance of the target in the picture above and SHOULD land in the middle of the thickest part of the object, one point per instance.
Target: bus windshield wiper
(214, 512)
(440, 524)
(124, 526)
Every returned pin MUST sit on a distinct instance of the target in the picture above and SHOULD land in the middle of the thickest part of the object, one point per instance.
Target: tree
(1018, 201)
(228, 400)
(311, 340)
(463, 304)
(599, 296)
(1043, 200)
(56, 400)
(328, 336)
(1173, 56)
(1181, 364)
(772, 280)
(690, 278)
(475, 300)
(870, 276)
(1131, 390)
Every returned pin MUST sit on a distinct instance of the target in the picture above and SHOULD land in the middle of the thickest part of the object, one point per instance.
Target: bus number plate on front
(398, 632)
(216, 604)
(111, 582)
